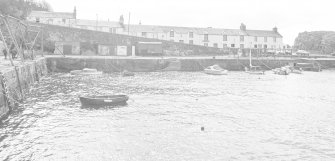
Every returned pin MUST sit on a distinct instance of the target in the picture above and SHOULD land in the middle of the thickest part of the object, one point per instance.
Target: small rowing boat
(112, 100)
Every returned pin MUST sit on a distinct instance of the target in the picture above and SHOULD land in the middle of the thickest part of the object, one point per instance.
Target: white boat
(86, 71)
(215, 70)
(285, 70)
(294, 68)
(257, 70)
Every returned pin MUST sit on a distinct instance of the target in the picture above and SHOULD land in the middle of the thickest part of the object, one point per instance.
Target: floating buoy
(202, 128)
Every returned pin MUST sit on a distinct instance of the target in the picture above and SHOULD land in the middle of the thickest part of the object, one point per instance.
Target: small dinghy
(100, 101)
(215, 70)
(285, 70)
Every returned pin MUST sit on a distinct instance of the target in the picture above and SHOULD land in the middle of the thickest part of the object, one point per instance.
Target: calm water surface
(246, 117)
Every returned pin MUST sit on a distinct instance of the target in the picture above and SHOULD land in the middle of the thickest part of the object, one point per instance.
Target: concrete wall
(29, 73)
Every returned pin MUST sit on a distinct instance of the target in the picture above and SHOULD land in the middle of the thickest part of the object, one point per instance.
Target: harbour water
(245, 117)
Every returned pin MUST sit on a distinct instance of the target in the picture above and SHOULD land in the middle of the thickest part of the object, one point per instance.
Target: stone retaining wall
(107, 64)
(29, 72)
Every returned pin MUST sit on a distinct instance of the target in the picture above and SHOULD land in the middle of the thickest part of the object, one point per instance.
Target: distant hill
(321, 41)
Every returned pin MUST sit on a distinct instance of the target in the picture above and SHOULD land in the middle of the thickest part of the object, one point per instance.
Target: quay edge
(151, 64)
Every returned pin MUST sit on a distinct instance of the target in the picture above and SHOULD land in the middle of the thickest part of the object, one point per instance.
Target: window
(37, 19)
(144, 34)
(50, 21)
(232, 45)
(255, 39)
(205, 44)
(241, 46)
(255, 46)
(241, 38)
(265, 46)
(224, 37)
(64, 20)
(191, 42)
(190, 34)
(260, 46)
(274, 39)
(171, 33)
(215, 45)
(265, 39)
(112, 30)
(224, 45)
(206, 37)
(181, 41)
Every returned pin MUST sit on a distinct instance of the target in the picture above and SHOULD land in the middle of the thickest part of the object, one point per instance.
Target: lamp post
(250, 54)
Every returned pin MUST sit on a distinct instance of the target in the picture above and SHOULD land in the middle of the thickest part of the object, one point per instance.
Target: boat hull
(98, 101)
(216, 72)
(256, 72)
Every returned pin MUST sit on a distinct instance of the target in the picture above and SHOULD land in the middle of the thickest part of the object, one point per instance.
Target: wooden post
(42, 41)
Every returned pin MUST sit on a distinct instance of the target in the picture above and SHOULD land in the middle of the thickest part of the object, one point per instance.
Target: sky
(290, 16)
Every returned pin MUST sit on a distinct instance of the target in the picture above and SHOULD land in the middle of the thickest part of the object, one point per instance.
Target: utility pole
(128, 22)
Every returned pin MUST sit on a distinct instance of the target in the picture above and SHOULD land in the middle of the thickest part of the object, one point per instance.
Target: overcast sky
(290, 16)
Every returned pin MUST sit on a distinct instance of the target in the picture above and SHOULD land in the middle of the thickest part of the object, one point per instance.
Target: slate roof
(201, 31)
(263, 33)
(45, 14)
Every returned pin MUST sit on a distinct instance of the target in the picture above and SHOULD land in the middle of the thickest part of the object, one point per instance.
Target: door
(67, 49)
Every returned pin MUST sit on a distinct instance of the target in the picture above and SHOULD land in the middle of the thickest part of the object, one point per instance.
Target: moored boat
(215, 70)
(285, 70)
(308, 67)
(98, 101)
(256, 70)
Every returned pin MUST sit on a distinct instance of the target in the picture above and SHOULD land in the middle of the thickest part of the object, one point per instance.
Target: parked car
(302, 53)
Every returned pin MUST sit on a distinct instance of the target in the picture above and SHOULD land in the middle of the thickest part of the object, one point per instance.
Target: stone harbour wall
(110, 64)
(28, 73)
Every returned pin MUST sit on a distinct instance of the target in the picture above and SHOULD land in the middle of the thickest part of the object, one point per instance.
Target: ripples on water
(246, 117)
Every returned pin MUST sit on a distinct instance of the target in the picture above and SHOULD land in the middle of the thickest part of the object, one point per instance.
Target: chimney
(243, 27)
(275, 29)
(75, 12)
